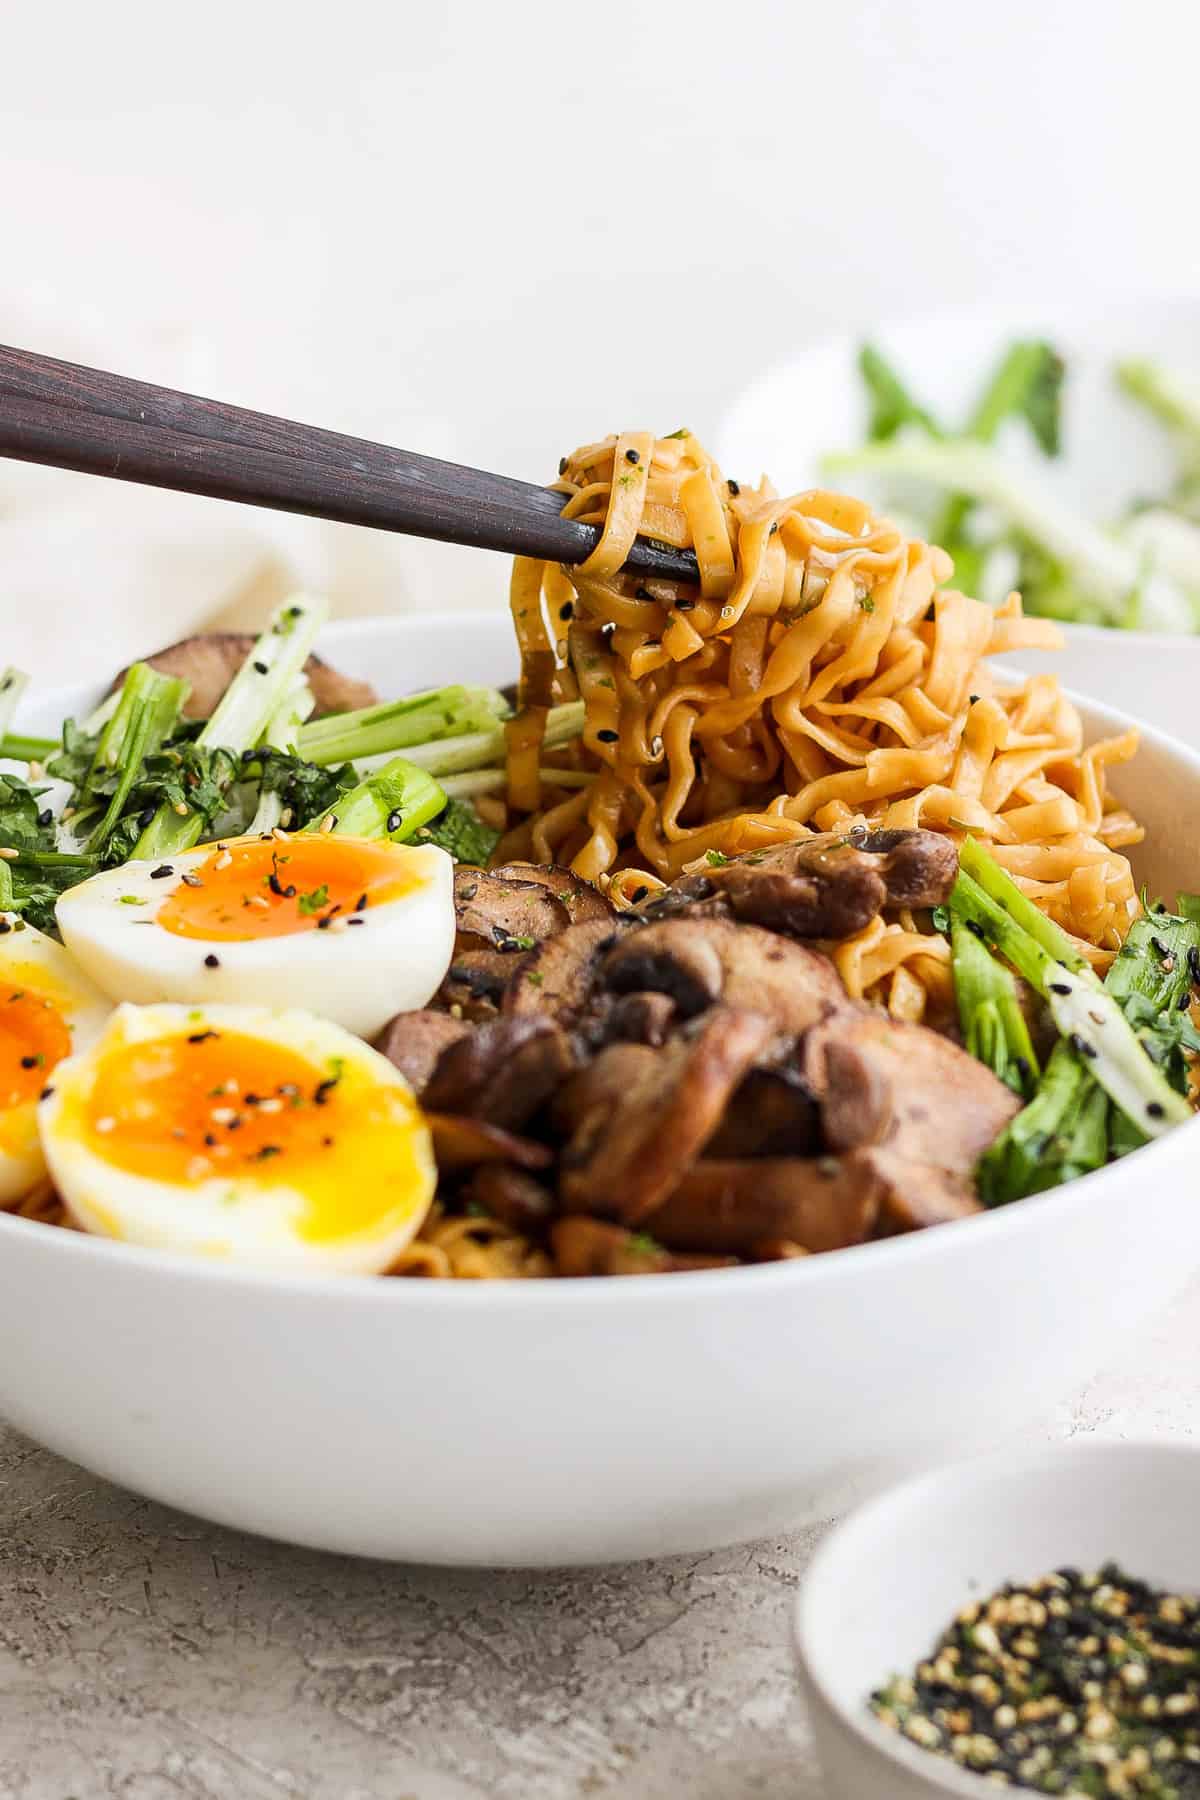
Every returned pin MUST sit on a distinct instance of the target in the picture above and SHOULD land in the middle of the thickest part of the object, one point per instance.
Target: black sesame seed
(1185, 1000)
(161, 873)
(46, 817)
(1155, 1109)
(562, 465)
(975, 928)
(210, 1141)
(323, 923)
(260, 668)
(1059, 987)
(30, 1062)
(973, 699)
(212, 961)
(46, 1093)
(607, 737)
(631, 456)
(733, 487)
(360, 905)
(567, 610)
(683, 604)
(1081, 1046)
(395, 820)
(202, 1037)
(355, 921)
(146, 817)
(639, 893)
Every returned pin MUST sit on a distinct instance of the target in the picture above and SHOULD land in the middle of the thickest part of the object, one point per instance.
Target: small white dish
(888, 1581)
(793, 414)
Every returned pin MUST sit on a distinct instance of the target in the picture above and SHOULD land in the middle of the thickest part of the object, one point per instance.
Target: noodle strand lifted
(820, 675)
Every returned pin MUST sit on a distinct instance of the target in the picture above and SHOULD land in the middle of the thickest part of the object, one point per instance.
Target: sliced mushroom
(699, 962)
(887, 1083)
(557, 978)
(580, 898)
(461, 1143)
(727, 1207)
(828, 886)
(475, 982)
(512, 1195)
(501, 1071)
(771, 1114)
(645, 1114)
(590, 1247)
(913, 1195)
(413, 1041)
(639, 1019)
(504, 914)
(209, 661)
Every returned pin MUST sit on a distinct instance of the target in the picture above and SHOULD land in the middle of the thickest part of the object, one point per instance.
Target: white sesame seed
(259, 900)
(223, 861)
(328, 822)
(282, 836)
(106, 1124)
(223, 1115)
(270, 1105)
(7, 855)
(198, 1168)
(36, 771)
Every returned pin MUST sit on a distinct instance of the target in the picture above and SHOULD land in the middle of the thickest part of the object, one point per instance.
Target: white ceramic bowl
(574, 1422)
(886, 1583)
(813, 402)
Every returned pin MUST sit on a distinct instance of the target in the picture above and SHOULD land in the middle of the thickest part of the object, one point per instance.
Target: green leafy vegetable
(989, 1010)
(892, 406)
(460, 831)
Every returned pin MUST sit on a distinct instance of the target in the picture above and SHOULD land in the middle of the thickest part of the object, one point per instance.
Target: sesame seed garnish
(608, 737)
(1049, 1685)
(260, 668)
(278, 833)
(259, 900)
(7, 855)
(223, 860)
(161, 873)
(328, 822)
(211, 961)
(106, 1124)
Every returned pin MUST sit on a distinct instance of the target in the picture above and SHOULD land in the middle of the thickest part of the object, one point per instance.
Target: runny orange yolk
(217, 1104)
(34, 1036)
(273, 887)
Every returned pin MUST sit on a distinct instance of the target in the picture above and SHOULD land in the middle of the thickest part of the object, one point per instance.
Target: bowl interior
(889, 1580)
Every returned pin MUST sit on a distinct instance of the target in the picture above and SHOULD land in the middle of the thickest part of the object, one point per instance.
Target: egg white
(248, 1215)
(34, 963)
(392, 959)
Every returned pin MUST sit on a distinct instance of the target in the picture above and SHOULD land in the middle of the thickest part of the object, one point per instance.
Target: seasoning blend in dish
(1073, 1684)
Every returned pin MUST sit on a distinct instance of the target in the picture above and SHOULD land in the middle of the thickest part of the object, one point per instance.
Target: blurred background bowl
(813, 402)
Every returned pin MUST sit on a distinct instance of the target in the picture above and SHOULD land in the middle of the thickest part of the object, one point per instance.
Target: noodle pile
(822, 675)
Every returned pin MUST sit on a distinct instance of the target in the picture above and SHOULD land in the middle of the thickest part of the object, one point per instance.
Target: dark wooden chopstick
(68, 416)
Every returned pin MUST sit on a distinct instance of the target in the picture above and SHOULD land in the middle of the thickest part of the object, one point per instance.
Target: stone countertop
(147, 1655)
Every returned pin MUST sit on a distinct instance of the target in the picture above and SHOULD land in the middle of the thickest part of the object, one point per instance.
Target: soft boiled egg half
(274, 1139)
(48, 1009)
(355, 929)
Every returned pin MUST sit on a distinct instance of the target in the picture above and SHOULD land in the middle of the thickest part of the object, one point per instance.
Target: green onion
(393, 803)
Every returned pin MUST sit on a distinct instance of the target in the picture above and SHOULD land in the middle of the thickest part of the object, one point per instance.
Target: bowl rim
(759, 1280)
(869, 1520)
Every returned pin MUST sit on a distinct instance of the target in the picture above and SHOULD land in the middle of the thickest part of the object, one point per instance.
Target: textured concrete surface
(146, 1655)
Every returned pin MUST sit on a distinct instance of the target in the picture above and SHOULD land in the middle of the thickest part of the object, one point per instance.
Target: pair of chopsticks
(70, 417)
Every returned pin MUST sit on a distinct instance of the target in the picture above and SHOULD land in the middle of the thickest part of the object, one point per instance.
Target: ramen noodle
(821, 675)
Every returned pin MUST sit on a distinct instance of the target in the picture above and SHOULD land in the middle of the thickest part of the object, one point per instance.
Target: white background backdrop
(493, 230)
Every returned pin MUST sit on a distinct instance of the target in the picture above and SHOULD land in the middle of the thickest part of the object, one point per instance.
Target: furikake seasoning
(1073, 1684)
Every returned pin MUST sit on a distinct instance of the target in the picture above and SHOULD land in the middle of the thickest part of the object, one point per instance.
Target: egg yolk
(185, 1110)
(274, 887)
(34, 1037)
